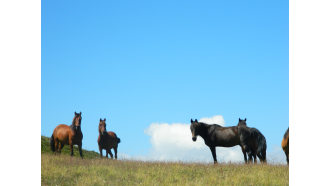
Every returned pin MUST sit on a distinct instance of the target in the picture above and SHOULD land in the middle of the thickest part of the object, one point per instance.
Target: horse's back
(225, 136)
(112, 134)
(62, 132)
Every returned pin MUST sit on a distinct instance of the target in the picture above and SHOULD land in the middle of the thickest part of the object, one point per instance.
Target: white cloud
(173, 142)
(218, 119)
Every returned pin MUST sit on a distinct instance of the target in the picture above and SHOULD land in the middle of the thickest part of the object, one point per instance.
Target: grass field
(66, 170)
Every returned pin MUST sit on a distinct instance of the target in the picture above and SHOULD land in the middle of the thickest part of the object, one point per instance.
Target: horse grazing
(216, 136)
(254, 143)
(107, 140)
(68, 135)
(285, 145)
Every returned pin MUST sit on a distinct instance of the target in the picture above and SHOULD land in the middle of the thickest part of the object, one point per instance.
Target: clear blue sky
(138, 62)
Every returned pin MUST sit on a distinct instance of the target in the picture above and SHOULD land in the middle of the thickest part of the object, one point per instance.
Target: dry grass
(66, 170)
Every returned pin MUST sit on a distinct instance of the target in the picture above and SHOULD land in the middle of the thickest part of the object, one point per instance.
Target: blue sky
(142, 62)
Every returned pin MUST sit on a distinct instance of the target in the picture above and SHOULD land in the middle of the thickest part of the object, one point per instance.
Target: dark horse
(254, 143)
(285, 145)
(216, 136)
(107, 140)
(67, 135)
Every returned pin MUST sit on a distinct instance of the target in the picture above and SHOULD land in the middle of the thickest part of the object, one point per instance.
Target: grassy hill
(65, 170)
(45, 148)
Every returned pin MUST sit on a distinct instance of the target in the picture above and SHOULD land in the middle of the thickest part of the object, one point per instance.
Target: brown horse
(67, 135)
(216, 136)
(285, 145)
(107, 140)
(253, 141)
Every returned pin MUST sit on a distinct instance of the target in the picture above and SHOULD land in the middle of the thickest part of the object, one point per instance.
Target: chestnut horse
(285, 145)
(67, 135)
(107, 140)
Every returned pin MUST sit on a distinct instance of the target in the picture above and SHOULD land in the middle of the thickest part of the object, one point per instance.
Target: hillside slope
(45, 148)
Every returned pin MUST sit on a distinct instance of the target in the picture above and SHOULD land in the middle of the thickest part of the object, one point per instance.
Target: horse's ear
(80, 113)
(196, 121)
(104, 119)
(75, 113)
(245, 119)
(191, 121)
(239, 119)
(100, 119)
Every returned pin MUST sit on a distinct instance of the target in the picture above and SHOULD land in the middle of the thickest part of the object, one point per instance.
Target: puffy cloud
(173, 142)
(218, 119)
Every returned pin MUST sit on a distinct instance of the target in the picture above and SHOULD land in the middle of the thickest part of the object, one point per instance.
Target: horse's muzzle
(194, 138)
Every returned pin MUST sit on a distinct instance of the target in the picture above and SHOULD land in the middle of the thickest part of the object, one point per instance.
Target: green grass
(65, 170)
(45, 148)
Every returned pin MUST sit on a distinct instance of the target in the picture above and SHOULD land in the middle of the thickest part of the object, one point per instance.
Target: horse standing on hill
(107, 140)
(254, 143)
(285, 145)
(216, 136)
(67, 135)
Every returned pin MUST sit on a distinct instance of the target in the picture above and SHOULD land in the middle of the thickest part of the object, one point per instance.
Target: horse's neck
(104, 133)
(203, 130)
(74, 130)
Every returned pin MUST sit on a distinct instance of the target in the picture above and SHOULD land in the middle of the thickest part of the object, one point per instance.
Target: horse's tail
(118, 140)
(262, 146)
(52, 143)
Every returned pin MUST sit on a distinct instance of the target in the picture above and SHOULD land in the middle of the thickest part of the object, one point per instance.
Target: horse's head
(76, 121)
(241, 122)
(102, 126)
(193, 127)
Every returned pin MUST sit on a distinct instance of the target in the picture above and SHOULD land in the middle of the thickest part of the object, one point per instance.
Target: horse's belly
(227, 142)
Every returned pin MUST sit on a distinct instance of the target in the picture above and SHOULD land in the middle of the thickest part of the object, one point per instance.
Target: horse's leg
(60, 147)
(287, 158)
(107, 152)
(264, 156)
(214, 154)
(100, 149)
(250, 156)
(80, 150)
(255, 158)
(244, 153)
(56, 146)
(261, 159)
(71, 149)
(110, 153)
(115, 149)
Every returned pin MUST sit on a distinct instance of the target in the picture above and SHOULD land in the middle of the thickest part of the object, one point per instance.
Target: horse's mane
(74, 119)
(209, 124)
(286, 133)
(72, 126)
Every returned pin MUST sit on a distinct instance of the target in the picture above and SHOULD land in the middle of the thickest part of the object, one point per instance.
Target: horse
(67, 135)
(216, 136)
(285, 145)
(254, 143)
(107, 140)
